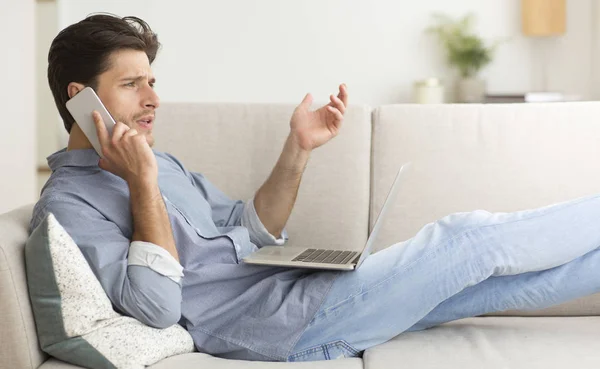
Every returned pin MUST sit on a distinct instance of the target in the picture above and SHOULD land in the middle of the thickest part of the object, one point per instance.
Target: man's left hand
(311, 129)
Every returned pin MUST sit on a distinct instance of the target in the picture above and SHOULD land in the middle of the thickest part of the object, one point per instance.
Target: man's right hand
(126, 153)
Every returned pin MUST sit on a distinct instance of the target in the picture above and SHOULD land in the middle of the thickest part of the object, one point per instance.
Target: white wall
(47, 116)
(51, 135)
(17, 99)
(595, 78)
(276, 51)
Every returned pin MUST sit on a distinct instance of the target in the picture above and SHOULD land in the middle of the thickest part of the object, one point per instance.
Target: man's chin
(145, 131)
(150, 139)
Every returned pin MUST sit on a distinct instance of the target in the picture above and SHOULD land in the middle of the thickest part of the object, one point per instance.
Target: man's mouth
(145, 122)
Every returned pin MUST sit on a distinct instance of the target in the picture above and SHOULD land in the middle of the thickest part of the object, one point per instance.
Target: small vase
(428, 91)
(470, 90)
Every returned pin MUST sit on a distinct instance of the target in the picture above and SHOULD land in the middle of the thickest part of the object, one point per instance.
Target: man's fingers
(100, 128)
(131, 132)
(336, 112)
(343, 94)
(102, 163)
(118, 132)
(337, 103)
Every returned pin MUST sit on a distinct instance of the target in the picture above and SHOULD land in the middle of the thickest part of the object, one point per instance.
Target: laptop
(302, 257)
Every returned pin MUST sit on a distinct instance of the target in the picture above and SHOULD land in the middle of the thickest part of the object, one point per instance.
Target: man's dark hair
(80, 53)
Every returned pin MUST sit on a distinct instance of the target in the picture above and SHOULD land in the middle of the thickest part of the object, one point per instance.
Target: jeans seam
(308, 351)
(348, 347)
(431, 250)
(241, 344)
(299, 336)
(324, 348)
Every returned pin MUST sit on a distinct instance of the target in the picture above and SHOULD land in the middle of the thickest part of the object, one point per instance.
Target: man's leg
(527, 291)
(399, 286)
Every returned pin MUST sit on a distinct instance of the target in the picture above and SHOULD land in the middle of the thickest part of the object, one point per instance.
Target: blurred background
(278, 50)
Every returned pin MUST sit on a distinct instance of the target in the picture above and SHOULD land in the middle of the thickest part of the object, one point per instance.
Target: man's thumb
(307, 101)
(102, 163)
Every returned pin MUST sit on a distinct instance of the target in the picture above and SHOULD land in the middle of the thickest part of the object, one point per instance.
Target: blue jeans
(463, 265)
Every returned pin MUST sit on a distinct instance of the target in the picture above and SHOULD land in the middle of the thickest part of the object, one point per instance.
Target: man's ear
(73, 88)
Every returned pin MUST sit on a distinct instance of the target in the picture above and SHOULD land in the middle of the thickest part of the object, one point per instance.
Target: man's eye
(130, 84)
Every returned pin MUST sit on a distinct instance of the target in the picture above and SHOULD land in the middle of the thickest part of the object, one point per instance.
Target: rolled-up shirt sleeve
(259, 235)
(145, 286)
(156, 258)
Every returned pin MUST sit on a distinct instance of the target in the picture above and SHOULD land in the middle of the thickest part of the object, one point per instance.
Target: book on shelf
(529, 97)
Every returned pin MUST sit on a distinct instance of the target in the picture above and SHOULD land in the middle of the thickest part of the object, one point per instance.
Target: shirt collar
(73, 158)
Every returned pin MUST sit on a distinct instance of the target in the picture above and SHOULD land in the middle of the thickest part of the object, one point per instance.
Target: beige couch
(465, 157)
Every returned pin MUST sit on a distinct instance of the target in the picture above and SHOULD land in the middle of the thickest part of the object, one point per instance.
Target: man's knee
(460, 222)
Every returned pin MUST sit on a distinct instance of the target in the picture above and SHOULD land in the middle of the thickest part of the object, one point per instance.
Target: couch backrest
(500, 158)
(237, 145)
(465, 157)
(19, 348)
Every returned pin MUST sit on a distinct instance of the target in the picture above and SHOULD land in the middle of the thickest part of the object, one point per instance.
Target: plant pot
(470, 90)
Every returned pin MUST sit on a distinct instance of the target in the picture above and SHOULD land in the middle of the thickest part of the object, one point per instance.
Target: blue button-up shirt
(231, 309)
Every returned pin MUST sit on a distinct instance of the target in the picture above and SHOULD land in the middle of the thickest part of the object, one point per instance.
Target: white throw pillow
(74, 317)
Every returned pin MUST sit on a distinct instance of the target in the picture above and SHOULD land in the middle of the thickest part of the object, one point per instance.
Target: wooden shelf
(43, 169)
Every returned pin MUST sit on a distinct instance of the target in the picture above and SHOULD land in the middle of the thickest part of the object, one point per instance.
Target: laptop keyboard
(326, 256)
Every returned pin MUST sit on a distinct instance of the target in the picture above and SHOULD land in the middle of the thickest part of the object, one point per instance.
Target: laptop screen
(386, 205)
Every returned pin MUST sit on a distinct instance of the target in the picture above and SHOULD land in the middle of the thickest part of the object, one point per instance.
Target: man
(166, 244)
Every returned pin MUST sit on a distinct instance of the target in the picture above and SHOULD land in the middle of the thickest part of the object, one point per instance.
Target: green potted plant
(466, 52)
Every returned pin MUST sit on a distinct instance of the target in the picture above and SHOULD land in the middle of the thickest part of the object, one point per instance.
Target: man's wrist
(293, 143)
(294, 157)
(144, 185)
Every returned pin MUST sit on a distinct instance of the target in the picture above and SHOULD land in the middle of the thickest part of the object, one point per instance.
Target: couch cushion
(19, 347)
(500, 158)
(495, 343)
(237, 145)
(201, 361)
(75, 319)
(197, 360)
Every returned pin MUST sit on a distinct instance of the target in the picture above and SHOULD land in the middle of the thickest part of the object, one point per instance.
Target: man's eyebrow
(137, 78)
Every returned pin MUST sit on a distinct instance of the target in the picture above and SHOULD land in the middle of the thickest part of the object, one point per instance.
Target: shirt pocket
(213, 248)
(205, 232)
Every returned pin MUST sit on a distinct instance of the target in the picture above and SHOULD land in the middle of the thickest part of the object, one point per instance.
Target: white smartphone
(81, 107)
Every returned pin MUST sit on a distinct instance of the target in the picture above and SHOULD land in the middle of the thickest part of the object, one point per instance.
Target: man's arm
(128, 155)
(150, 219)
(142, 276)
(149, 292)
(275, 199)
(308, 130)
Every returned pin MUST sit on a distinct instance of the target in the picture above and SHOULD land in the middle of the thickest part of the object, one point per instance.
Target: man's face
(127, 91)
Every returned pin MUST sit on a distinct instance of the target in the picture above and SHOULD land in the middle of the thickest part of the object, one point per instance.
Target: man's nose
(151, 99)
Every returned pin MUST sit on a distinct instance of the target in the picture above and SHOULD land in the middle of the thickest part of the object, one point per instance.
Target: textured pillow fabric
(74, 317)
